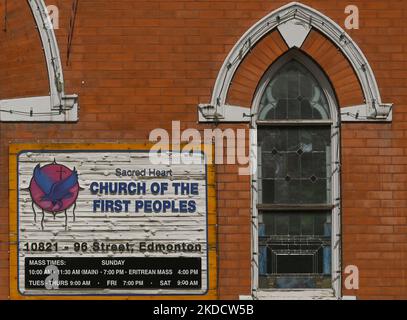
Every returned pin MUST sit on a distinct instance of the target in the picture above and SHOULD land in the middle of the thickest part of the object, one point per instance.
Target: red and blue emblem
(54, 188)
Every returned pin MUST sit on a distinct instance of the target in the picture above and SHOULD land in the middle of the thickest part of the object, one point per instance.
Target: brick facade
(138, 65)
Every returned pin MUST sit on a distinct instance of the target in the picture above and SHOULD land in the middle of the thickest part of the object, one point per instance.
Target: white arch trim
(57, 106)
(294, 21)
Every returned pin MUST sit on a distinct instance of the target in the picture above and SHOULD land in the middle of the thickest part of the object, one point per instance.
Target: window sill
(295, 294)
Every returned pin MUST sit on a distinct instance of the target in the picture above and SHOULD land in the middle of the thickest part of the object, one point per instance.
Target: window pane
(319, 166)
(293, 83)
(293, 109)
(307, 166)
(307, 225)
(293, 139)
(306, 87)
(273, 139)
(275, 164)
(295, 250)
(295, 165)
(310, 223)
(293, 93)
(306, 110)
(295, 224)
(281, 110)
(320, 139)
(278, 88)
(281, 224)
(294, 263)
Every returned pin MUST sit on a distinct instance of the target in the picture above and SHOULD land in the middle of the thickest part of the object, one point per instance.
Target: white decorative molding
(360, 113)
(297, 14)
(230, 113)
(294, 32)
(37, 109)
(57, 106)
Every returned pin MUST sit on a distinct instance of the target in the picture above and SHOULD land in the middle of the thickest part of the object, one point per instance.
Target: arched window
(297, 155)
(293, 94)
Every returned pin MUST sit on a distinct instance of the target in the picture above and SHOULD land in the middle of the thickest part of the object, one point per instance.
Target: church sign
(106, 220)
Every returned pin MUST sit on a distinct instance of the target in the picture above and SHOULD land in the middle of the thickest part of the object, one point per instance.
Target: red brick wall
(137, 65)
(252, 68)
(23, 72)
(338, 69)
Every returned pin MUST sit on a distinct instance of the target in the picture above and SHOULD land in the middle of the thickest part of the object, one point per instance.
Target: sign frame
(16, 149)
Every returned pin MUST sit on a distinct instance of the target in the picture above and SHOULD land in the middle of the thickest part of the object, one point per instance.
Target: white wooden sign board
(123, 227)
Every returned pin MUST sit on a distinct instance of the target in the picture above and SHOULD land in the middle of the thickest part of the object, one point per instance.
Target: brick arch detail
(337, 68)
(295, 21)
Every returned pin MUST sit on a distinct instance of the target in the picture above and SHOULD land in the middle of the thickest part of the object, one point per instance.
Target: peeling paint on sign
(123, 227)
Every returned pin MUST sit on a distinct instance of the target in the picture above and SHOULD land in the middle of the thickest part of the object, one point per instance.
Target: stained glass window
(294, 182)
(293, 93)
(295, 165)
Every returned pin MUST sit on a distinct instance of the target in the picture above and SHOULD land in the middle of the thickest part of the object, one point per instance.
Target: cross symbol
(61, 171)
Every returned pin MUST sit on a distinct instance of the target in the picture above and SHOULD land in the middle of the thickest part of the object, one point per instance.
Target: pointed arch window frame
(335, 122)
(57, 106)
(294, 21)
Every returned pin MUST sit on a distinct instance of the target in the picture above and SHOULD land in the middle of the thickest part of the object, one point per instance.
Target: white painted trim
(36, 109)
(296, 295)
(51, 50)
(335, 292)
(358, 113)
(58, 105)
(230, 114)
(302, 14)
(294, 32)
